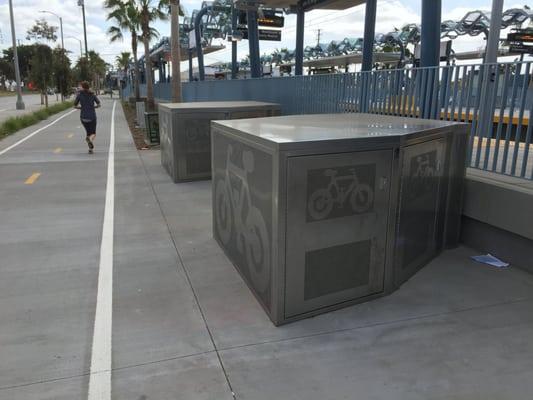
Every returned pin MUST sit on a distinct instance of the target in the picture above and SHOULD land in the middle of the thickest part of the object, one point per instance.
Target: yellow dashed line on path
(32, 178)
(58, 150)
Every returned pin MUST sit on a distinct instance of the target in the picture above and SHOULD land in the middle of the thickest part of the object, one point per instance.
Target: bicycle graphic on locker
(340, 189)
(235, 213)
(424, 168)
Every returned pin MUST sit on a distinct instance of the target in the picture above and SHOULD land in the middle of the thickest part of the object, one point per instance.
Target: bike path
(50, 239)
(50, 230)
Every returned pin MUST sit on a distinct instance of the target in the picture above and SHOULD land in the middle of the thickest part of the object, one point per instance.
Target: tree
(175, 49)
(134, 14)
(6, 71)
(42, 69)
(150, 11)
(25, 54)
(126, 18)
(62, 71)
(123, 61)
(42, 31)
(98, 68)
(82, 70)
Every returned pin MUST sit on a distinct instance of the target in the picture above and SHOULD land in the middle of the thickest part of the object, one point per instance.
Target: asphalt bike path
(82, 317)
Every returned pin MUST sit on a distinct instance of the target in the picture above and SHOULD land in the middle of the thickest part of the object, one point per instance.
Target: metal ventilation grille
(337, 268)
(198, 163)
(197, 136)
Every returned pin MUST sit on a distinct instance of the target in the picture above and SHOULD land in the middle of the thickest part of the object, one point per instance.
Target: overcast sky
(333, 25)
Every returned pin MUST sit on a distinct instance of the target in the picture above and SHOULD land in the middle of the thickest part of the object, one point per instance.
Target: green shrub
(14, 124)
(41, 114)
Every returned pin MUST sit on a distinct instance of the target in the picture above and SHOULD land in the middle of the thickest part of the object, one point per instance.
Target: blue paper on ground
(490, 260)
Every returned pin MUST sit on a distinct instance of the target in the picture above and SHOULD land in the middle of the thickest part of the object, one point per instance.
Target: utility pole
(318, 31)
(81, 3)
(20, 103)
(175, 49)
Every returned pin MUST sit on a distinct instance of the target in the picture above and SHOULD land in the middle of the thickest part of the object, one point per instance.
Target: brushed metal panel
(193, 143)
(166, 143)
(339, 203)
(242, 211)
(419, 207)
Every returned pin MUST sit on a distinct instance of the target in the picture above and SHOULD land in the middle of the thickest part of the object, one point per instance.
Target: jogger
(87, 102)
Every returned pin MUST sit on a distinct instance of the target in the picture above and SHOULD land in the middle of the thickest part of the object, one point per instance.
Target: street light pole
(62, 43)
(81, 50)
(81, 3)
(20, 103)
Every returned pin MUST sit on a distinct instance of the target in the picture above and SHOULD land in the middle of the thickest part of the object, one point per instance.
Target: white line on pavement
(100, 374)
(3, 109)
(34, 133)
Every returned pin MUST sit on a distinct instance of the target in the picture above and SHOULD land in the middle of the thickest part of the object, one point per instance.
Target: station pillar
(430, 33)
(368, 38)
(299, 53)
(253, 44)
(430, 56)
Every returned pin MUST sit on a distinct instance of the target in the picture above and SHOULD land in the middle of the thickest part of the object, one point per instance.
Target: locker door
(194, 144)
(337, 208)
(421, 179)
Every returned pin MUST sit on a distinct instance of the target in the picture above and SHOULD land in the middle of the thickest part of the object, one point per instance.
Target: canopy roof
(314, 4)
(347, 59)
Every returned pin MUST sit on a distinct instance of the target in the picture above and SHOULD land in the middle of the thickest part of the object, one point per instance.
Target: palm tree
(126, 17)
(98, 68)
(123, 61)
(175, 49)
(149, 12)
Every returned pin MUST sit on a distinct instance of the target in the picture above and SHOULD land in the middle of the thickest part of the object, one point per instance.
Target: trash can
(151, 132)
(185, 133)
(318, 212)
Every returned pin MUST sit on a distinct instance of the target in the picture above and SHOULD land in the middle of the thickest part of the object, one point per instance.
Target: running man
(87, 102)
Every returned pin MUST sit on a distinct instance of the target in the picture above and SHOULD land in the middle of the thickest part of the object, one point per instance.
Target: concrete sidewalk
(185, 326)
(458, 329)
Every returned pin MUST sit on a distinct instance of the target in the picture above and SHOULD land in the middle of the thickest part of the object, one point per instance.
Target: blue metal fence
(497, 99)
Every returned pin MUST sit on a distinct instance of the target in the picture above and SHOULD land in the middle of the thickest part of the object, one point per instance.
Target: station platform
(184, 325)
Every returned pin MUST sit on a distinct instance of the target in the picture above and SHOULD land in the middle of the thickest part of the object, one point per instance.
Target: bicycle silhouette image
(424, 168)
(339, 191)
(236, 215)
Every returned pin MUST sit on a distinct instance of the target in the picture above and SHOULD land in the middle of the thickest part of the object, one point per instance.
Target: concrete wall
(498, 217)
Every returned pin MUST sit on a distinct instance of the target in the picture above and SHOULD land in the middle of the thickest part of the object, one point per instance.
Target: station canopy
(314, 4)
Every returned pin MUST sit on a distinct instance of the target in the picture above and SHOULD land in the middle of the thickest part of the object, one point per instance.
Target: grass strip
(14, 124)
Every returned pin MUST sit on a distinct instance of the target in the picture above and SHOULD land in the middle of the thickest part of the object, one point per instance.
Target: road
(71, 302)
(31, 101)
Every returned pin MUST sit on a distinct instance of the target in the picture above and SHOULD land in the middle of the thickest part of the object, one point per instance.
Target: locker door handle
(383, 183)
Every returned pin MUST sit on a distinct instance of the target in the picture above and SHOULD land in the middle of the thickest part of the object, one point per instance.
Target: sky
(333, 25)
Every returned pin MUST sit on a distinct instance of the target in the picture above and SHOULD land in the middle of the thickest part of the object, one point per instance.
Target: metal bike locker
(318, 212)
(185, 133)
